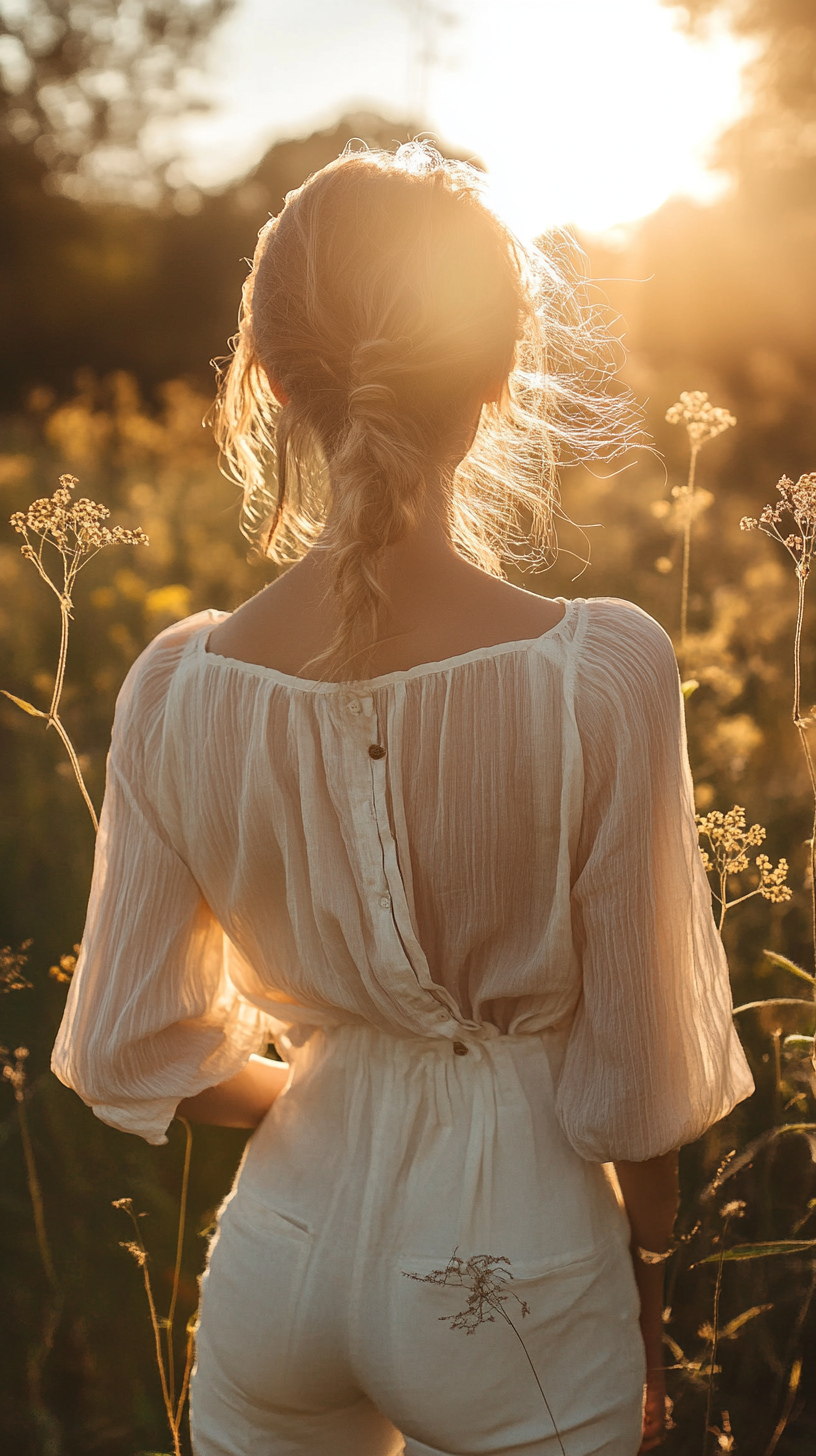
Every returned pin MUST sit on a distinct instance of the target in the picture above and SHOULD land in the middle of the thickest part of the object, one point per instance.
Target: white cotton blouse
(495, 844)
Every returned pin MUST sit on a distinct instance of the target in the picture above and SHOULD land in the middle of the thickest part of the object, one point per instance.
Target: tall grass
(741, 1285)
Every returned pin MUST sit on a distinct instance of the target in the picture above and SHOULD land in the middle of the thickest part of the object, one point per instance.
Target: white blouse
(498, 843)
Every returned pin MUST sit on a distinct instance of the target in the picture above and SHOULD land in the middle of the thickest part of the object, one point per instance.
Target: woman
(435, 836)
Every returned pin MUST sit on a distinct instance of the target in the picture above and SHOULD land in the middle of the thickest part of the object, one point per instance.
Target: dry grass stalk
(14, 1065)
(727, 1212)
(14, 1071)
(486, 1277)
(163, 1328)
(790, 1397)
(797, 502)
(703, 422)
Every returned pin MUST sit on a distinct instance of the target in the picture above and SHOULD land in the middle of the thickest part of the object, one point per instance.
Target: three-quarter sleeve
(153, 1015)
(653, 1058)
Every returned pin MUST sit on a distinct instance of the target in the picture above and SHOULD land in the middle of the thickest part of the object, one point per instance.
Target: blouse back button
(459, 1048)
(376, 751)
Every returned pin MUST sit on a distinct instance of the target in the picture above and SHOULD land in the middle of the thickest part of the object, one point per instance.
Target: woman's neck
(437, 606)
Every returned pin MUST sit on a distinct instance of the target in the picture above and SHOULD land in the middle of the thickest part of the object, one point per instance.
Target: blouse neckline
(422, 669)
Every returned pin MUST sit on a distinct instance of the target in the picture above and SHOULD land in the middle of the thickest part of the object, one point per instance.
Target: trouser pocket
(251, 1296)
(514, 1358)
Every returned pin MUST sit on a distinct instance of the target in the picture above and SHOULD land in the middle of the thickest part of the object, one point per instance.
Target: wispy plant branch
(76, 531)
(165, 1360)
(703, 422)
(486, 1277)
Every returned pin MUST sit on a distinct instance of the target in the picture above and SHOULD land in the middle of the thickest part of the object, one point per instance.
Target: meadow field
(110, 315)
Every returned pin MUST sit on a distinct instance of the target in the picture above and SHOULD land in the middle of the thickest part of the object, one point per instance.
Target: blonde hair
(384, 301)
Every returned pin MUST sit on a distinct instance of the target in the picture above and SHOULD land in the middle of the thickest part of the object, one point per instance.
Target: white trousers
(328, 1316)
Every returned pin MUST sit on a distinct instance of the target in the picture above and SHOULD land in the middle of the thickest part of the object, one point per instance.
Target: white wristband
(647, 1256)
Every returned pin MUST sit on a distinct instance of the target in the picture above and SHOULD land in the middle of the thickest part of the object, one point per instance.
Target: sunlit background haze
(591, 112)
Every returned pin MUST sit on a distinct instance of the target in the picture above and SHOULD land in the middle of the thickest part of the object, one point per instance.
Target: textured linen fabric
(467, 902)
(522, 856)
(325, 1330)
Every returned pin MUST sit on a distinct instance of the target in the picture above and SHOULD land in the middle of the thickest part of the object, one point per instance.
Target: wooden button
(459, 1048)
(376, 751)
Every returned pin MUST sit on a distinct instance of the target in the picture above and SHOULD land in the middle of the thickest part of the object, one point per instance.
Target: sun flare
(589, 113)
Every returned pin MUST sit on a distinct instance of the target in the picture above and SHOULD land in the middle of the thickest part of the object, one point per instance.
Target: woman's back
(436, 837)
(436, 851)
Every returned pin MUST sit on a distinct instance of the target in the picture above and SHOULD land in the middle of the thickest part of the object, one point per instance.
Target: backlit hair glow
(385, 300)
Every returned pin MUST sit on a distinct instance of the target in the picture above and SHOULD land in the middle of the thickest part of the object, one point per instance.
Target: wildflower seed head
(75, 528)
(725, 1436)
(772, 880)
(729, 840)
(126, 1204)
(13, 1065)
(139, 1254)
(688, 506)
(796, 501)
(703, 420)
(735, 1209)
(11, 968)
(65, 970)
(486, 1278)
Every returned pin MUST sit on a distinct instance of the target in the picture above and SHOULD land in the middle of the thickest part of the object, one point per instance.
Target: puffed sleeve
(152, 1013)
(653, 1058)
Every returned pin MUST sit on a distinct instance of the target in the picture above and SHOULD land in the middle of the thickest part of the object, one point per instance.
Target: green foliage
(760, 1251)
(83, 83)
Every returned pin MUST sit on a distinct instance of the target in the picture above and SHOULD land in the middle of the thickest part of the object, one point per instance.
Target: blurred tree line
(119, 282)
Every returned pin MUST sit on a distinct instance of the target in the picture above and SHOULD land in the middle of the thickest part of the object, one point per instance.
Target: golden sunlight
(590, 112)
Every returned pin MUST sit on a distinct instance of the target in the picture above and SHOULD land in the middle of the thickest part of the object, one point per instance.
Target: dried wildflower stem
(185, 1181)
(54, 720)
(77, 532)
(684, 590)
(188, 1367)
(798, 502)
(703, 422)
(801, 728)
(35, 1194)
(729, 839)
(139, 1252)
(505, 1316)
(55, 723)
(795, 1371)
(790, 1397)
(163, 1328)
(14, 1071)
(715, 1337)
(486, 1277)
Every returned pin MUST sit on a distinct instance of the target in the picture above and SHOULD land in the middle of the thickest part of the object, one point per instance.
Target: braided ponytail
(378, 476)
(384, 299)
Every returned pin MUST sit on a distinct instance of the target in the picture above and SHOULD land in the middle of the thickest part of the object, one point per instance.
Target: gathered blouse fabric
(493, 845)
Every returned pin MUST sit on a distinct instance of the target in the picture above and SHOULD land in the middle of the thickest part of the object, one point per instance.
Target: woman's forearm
(241, 1101)
(651, 1193)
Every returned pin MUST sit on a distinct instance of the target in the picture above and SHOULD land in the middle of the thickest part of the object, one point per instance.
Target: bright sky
(590, 112)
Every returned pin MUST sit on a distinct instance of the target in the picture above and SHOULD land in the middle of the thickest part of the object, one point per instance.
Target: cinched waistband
(486, 1039)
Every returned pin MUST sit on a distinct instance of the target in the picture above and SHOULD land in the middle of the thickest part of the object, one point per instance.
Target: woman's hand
(654, 1411)
(650, 1194)
(649, 1280)
(241, 1101)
